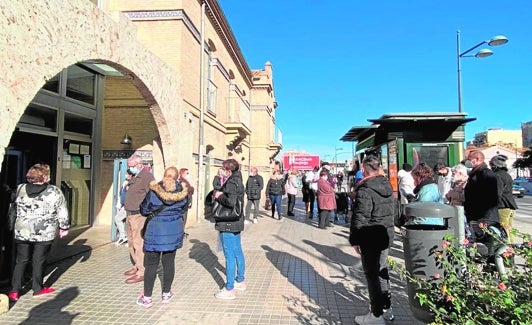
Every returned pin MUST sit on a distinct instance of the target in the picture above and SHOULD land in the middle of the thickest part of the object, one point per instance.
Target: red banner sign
(301, 162)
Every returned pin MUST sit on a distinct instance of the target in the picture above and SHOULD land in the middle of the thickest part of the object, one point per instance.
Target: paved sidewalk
(295, 274)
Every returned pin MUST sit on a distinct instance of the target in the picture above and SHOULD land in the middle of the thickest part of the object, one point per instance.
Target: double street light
(483, 53)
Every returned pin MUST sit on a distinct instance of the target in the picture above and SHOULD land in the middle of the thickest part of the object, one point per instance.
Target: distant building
(512, 153)
(526, 129)
(498, 136)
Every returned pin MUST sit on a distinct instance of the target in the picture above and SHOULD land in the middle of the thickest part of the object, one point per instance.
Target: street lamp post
(483, 53)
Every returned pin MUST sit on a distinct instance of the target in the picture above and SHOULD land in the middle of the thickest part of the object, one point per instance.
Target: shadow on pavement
(50, 311)
(56, 270)
(305, 277)
(202, 254)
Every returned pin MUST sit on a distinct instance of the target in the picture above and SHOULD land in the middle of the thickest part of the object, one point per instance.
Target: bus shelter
(411, 138)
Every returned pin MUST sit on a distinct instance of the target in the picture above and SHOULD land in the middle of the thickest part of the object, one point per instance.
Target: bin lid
(429, 209)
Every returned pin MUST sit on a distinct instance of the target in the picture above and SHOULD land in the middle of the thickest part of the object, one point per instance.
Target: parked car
(518, 190)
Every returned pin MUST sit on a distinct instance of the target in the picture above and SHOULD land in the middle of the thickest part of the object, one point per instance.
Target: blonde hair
(169, 179)
(38, 174)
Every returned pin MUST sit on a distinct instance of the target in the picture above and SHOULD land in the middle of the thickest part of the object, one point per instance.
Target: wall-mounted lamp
(126, 140)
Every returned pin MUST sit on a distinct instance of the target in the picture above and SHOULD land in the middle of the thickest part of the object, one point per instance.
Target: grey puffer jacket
(41, 209)
(373, 214)
(233, 190)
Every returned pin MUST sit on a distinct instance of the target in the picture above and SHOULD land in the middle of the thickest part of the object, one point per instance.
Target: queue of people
(155, 216)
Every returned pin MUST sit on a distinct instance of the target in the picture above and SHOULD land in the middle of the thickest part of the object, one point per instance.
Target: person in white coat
(406, 185)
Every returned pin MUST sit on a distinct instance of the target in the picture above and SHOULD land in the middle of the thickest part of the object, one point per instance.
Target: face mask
(134, 170)
(453, 179)
(187, 177)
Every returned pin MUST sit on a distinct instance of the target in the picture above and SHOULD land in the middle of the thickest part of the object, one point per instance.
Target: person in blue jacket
(164, 205)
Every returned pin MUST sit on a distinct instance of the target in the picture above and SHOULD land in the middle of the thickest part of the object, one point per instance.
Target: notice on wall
(86, 161)
(73, 148)
(76, 162)
(84, 150)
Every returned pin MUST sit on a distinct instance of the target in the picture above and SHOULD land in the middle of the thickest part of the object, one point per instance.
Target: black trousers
(151, 262)
(312, 199)
(376, 271)
(37, 252)
(291, 202)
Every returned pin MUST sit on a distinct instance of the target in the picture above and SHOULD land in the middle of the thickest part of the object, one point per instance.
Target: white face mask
(187, 177)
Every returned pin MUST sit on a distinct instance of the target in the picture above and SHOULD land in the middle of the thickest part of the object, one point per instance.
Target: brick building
(80, 76)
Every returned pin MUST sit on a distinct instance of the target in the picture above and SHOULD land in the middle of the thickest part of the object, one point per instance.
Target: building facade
(82, 76)
(497, 136)
(526, 128)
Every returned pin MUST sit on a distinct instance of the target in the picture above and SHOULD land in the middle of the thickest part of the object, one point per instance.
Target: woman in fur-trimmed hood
(164, 232)
(165, 202)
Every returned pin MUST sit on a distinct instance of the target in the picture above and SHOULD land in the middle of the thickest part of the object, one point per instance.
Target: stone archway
(43, 37)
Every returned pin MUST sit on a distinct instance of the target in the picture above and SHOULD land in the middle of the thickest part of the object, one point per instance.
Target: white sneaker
(388, 314)
(246, 222)
(369, 319)
(240, 286)
(225, 294)
(255, 220)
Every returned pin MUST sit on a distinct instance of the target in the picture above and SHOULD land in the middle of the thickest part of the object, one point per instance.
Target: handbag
(268, 204)
(149, 217)
(221, 212)
(12, 212)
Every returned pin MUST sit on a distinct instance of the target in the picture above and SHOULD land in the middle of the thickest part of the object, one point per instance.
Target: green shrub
(465, 292)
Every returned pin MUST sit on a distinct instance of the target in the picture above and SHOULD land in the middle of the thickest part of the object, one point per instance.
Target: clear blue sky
(338, 63)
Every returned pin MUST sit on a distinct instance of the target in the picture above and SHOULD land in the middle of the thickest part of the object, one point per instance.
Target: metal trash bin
(418, 243)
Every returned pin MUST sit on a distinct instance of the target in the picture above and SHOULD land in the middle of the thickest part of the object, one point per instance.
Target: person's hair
(460, 168)
(324, 172)
(438, 166)
(182, 170)
(421, 172)
(38, 174)
(407, 167)
(371, 164)
(169, 178)
(136, 158)
(231, 164)
(477, 154)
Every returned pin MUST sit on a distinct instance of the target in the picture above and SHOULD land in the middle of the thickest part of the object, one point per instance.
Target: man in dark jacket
(371, 236)
(231, 194)
(481, 200)
(480, 192)
(507, 204)
(254, 186)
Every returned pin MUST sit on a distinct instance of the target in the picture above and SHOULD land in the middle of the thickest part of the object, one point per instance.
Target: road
(523, 219)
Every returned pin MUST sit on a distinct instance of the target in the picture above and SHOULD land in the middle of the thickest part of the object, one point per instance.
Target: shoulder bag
(222, 213)
(12, 212)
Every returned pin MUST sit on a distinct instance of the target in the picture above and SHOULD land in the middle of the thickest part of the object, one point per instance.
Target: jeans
(151, 262)
(276, 203)
(37, 253)
(376, 271)
(256, 204)
(234, 258)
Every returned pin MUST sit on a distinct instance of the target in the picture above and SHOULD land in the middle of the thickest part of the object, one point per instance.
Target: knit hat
(498, 161)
